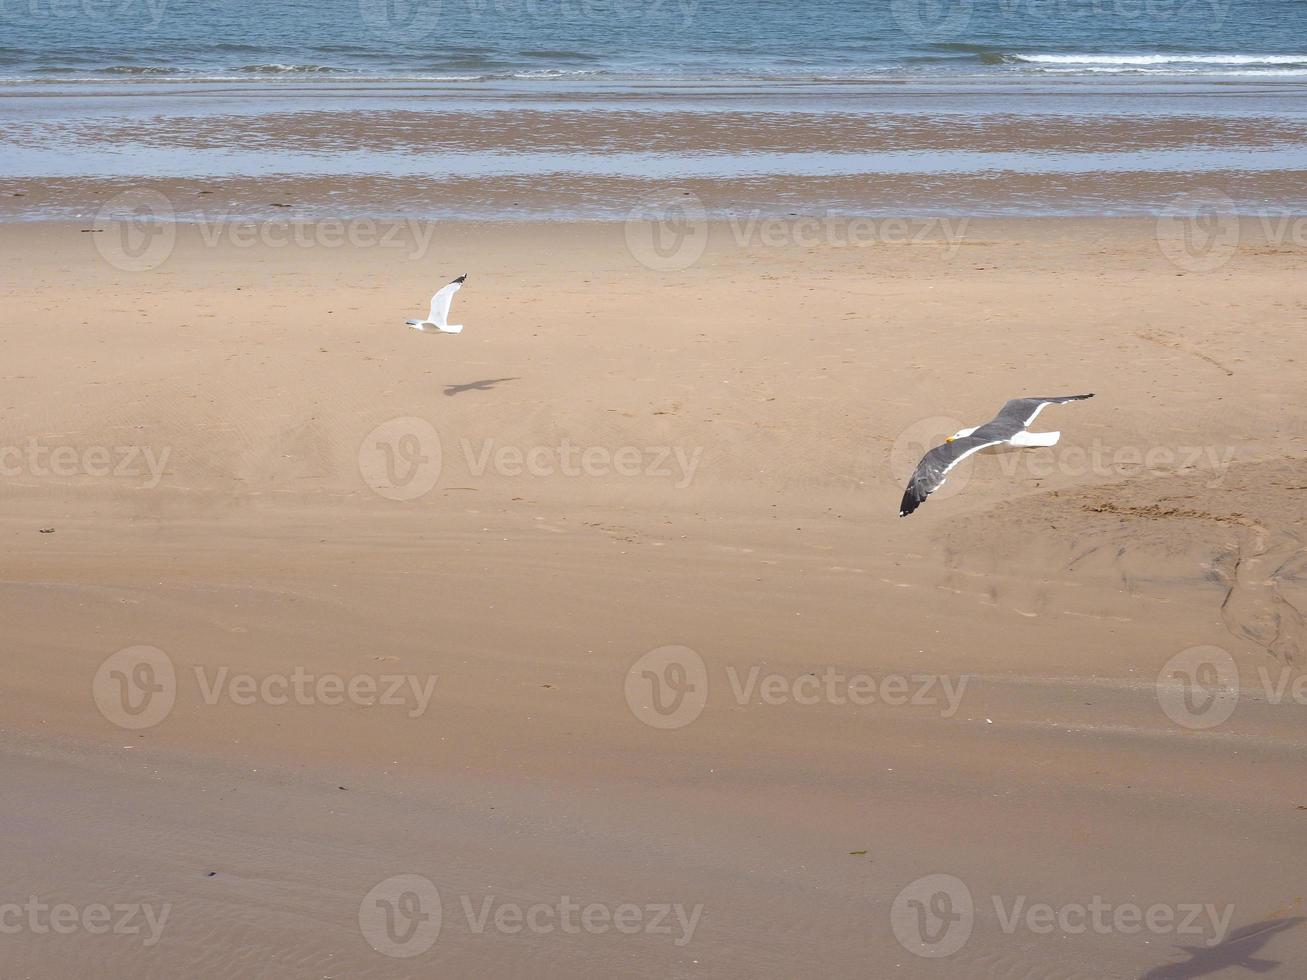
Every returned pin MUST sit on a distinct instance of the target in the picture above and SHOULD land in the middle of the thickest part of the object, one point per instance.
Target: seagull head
(960, 434)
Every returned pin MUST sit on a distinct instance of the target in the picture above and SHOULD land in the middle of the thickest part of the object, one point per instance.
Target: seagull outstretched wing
(1022, 411)
(439, 314)
(931, 472)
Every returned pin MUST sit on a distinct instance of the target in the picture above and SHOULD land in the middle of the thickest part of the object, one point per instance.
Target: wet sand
(747, 418)
(406, 201)
(585, 151)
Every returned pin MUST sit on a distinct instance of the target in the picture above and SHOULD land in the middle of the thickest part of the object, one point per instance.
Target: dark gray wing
(934, 466)
(1020, 412)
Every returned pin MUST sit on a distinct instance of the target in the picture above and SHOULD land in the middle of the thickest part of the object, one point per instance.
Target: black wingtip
(461, 279)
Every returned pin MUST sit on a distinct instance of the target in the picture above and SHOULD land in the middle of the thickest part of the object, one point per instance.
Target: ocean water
(578, 108)
(549, 40)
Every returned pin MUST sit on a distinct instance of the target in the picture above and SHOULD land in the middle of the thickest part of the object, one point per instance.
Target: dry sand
(793, 380)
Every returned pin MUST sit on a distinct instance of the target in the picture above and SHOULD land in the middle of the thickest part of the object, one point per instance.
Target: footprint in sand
(1254, 609)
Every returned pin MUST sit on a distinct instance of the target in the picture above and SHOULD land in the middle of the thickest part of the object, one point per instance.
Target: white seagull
(436, 321)
(1006, 430)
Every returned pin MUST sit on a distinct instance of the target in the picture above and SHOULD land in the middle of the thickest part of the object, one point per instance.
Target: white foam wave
(1229, 73)
(1162, 59)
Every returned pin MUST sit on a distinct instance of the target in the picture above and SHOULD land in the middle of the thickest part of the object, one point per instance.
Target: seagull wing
(934, 466)
(439, 314)
(1022, 411)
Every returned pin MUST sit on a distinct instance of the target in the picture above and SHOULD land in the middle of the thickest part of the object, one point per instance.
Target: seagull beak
(949, 439)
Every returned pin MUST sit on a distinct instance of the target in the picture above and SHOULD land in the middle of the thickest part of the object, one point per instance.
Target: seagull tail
(1031, 440)
(451, 328)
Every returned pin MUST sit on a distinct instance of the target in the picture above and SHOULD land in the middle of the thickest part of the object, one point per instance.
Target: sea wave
(1159, 59)
(954, 60)
(291, 69)
(1231, 73)
(290, 73)
(133, 70)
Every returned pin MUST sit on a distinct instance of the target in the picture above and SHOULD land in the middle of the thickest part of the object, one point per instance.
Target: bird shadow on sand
(485, 385)
(1236, 950)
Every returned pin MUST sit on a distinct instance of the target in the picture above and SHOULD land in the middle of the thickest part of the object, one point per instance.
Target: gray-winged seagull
(1007, 430)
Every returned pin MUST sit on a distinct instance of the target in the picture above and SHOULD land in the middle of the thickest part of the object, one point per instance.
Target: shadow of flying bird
(1236, 950)
(485, 385)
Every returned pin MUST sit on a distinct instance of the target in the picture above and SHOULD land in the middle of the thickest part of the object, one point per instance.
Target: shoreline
(583, 153)
(568, 198)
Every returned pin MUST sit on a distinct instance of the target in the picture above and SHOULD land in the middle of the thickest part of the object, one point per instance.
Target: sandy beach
(404, 602)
